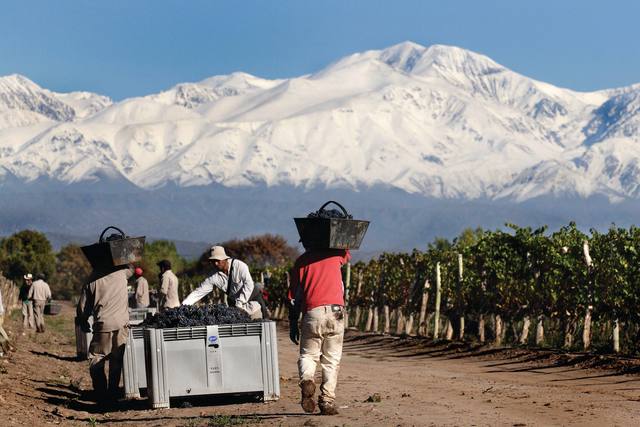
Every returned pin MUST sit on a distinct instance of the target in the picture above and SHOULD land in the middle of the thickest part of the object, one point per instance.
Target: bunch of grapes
(329, 213)
(190, 315)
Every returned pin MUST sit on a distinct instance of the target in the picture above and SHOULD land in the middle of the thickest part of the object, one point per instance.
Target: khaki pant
(321, 336)
(38, 314)
(28, 320)
(107, 346)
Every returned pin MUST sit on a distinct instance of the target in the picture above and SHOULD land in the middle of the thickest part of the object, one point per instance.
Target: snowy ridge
(439, 121)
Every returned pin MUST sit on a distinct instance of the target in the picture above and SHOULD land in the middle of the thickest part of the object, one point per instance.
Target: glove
(294, 332)
(85, 327)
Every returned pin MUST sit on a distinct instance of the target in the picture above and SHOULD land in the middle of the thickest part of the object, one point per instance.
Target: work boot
(328, 408)
(308, 389)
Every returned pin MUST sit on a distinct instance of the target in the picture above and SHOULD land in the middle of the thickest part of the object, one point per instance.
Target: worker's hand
(294, 333)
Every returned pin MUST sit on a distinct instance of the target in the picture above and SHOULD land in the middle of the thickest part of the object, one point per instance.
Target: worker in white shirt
(39, 293)
(233, 278)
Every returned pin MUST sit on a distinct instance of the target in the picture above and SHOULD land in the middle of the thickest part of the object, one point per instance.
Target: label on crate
(214, 358)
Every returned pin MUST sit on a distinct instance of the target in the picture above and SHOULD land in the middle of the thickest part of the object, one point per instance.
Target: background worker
(39, 293)
(168, 286)
(28, 321)
(142, 290)
(232, 277)
(317, 292)
(105, 298)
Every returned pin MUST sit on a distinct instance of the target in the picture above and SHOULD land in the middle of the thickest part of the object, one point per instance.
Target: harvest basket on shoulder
(115, 250)
(331, 229)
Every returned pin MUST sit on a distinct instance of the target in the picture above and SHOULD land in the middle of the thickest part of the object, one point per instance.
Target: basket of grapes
(331, 229)
(114, 250)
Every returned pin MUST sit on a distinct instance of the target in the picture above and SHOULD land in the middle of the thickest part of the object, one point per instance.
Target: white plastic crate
(133, 366)
(137, 315)
(211, 360)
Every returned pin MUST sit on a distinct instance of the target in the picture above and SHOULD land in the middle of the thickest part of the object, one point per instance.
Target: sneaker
(308, 389)
(328, 408)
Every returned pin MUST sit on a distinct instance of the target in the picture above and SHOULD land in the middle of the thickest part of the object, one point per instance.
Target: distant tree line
(67, 270)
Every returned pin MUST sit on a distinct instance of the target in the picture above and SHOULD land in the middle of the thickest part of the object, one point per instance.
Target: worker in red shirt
(317, 292)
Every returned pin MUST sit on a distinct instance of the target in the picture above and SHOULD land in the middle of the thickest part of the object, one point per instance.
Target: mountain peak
(414, 58)
(403, 56)
(16, 82)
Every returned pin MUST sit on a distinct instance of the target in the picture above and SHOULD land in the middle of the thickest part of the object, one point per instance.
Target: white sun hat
(28, 276)
(218, 253)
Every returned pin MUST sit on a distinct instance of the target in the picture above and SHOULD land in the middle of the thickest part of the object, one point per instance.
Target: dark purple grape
(190, 315)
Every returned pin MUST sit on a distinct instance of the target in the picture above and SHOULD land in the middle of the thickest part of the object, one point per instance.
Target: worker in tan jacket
(39, 293)
(142, 290)
(168, 286)
(105, 298)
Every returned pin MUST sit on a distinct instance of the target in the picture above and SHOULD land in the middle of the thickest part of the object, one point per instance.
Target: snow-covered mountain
(437, 121)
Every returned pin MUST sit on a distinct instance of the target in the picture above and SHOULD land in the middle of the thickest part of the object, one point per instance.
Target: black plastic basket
(114, 252)
(331, 233)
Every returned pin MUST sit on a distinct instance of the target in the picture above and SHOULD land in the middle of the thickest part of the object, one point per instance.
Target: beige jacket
(107, 299)
(169, 290)
(142, 292)
(39, 291)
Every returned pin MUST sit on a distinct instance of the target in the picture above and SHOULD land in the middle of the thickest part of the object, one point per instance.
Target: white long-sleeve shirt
(241, 287)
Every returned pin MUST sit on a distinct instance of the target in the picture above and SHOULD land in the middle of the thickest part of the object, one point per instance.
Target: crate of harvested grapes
(137, 315)
(331, 229)
(219, 350)
(133, 366)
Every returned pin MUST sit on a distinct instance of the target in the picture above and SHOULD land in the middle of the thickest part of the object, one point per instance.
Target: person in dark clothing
(28, 320)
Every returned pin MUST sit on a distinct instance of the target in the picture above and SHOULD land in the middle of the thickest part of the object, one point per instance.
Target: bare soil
(384, 380)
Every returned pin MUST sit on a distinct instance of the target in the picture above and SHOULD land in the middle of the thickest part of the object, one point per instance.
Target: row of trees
(67, 270)
(485, 285)
(565, 282)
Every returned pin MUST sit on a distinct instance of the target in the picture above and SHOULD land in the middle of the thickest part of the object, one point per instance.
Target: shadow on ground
(517, 359)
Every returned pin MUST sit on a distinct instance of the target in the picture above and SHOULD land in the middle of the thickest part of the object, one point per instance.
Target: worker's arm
(140, 288)
(204, 289)
(84, 310)
(295, 297)
(164, 285)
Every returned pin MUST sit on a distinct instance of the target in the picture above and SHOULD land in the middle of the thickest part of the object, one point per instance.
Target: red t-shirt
(317, 278)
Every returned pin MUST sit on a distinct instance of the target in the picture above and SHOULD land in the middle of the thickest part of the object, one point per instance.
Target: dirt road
(418, 383)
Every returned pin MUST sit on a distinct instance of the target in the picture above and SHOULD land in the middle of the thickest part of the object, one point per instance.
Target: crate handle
(344, 211)
(101, 240)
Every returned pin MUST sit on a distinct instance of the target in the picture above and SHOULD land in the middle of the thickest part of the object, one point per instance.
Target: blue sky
(136, 47)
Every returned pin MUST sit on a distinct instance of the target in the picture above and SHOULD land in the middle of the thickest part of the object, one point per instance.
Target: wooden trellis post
(436, 325)
(460, 308)
(422, 325)
(586, 331)
(358, 308)
(347, 286)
